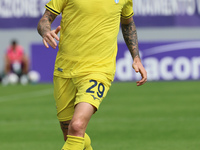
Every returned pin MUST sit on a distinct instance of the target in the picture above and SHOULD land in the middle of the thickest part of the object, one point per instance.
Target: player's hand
(138, 67)
(49, 38)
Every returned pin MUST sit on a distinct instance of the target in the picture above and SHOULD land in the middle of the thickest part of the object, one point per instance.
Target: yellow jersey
(88, 36)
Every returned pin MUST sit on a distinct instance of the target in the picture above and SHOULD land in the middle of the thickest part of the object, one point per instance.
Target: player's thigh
(92, 89)
(64, 94)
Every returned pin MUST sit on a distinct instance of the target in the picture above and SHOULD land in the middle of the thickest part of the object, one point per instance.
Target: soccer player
(85, 62)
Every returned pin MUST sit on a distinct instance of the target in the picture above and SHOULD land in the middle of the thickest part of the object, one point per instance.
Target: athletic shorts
(68, 92)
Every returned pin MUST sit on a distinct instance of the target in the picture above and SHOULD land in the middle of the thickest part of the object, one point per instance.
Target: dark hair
(14, 42)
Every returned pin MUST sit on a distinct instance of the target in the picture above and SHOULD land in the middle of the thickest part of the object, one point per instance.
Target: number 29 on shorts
(100, 87)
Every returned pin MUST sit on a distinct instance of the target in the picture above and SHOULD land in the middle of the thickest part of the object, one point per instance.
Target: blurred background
(168, 33)
(163, 114)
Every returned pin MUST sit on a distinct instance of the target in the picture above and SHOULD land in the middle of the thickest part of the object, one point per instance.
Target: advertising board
(154, 13)
(164, 61)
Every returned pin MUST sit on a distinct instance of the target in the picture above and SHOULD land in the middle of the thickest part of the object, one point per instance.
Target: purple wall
(162, 60)
(42, 60)
(26, 13)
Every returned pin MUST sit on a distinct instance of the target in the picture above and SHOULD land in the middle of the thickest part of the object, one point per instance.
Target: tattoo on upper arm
(130, 37)
(45, 22)
(50, 16)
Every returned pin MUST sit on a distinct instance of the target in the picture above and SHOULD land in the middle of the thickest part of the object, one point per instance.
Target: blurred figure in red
(15, 60)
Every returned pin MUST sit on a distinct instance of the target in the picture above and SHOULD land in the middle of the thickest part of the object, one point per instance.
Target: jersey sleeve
(127, 10)
(56, 6)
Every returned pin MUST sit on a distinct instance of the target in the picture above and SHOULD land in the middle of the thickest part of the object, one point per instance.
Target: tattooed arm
(130, 37)
(44, 29)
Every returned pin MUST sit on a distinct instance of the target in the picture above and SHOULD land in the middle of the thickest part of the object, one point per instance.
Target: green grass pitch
(155, 116)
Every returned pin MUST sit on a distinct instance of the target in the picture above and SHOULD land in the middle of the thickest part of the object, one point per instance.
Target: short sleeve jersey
(88, 36)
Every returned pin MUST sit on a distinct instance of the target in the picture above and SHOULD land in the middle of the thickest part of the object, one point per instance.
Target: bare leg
(64, 126)
(80, 120)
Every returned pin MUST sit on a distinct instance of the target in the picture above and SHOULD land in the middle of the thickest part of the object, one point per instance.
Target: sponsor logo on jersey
(60, 69)
(116, 1)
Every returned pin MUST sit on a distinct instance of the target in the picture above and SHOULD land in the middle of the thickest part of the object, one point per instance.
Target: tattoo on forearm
(44, 24)
(130, 37)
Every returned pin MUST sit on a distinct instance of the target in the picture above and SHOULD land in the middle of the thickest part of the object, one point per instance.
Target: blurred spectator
(15, 60)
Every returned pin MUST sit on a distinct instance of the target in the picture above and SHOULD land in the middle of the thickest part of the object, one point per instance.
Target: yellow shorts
(68, 92)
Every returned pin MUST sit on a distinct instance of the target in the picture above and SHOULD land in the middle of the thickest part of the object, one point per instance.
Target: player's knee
(77, 127)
